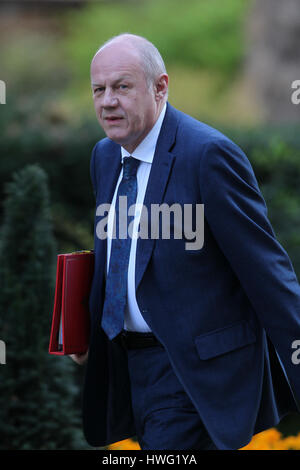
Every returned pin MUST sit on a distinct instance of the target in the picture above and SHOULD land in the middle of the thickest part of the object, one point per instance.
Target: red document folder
(71, 318)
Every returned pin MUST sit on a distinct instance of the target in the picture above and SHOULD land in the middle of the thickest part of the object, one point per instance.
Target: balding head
(130, 88)
(150, 59)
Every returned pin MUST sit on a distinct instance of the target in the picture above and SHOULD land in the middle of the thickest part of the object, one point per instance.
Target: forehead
(114, 61)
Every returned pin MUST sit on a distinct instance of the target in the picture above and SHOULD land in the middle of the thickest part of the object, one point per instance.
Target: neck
(131, 147)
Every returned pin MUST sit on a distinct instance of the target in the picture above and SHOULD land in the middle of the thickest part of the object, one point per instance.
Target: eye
(123, 86)
(98, 89)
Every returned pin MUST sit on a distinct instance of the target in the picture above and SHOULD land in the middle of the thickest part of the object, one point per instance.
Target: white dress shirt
(134, 320)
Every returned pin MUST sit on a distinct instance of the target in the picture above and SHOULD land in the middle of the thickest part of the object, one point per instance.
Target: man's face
(125, 105)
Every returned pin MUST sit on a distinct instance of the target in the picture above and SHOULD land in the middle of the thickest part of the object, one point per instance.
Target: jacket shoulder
(105, 146)
(195, 138)
(198, 132)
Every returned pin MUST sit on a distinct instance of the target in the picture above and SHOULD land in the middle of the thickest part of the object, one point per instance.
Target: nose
(109, 99)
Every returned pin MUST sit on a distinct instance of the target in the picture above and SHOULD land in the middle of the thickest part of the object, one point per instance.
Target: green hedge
(39, 394)
(275, 156)
(63, 150)
(203, 33)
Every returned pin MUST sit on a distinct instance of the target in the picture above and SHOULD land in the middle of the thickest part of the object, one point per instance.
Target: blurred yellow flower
(127, 444)
(271, 439)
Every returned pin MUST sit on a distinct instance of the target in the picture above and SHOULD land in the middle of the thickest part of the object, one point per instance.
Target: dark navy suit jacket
(220, 311)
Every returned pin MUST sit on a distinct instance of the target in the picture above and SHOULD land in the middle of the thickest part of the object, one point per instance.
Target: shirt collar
(145, 150)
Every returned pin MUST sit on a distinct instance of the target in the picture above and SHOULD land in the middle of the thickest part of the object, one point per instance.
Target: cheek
(133, 118)
(97, 107)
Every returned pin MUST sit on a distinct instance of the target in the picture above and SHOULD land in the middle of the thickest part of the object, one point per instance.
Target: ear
(161, 86)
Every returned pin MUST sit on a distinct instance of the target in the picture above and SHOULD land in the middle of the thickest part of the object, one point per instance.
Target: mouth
(113, 119)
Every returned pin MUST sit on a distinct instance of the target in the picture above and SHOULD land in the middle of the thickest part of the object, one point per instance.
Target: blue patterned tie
(116, 283)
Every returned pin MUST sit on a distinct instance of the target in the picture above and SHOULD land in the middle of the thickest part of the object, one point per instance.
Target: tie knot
(130, 165)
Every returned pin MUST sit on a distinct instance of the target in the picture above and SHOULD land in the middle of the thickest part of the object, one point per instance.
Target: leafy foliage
(275, 155)
(203, 33)
(37, 391)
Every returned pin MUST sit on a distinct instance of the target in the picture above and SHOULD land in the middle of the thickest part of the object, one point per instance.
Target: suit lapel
(110, 170)
(158, 178)
(110, 167)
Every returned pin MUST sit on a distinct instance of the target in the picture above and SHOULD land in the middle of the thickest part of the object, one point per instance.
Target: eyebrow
(124, 77)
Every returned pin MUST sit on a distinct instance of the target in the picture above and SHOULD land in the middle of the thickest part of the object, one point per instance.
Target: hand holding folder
(71, 318)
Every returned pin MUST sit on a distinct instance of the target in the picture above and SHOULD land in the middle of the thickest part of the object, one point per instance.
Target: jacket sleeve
(237, 215)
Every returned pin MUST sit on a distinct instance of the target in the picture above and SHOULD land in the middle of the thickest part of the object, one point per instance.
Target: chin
(116, 137)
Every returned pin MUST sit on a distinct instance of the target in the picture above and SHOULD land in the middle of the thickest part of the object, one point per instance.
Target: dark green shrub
(37, 391)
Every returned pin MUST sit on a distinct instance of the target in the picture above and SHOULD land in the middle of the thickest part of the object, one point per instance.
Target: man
(189, 348)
